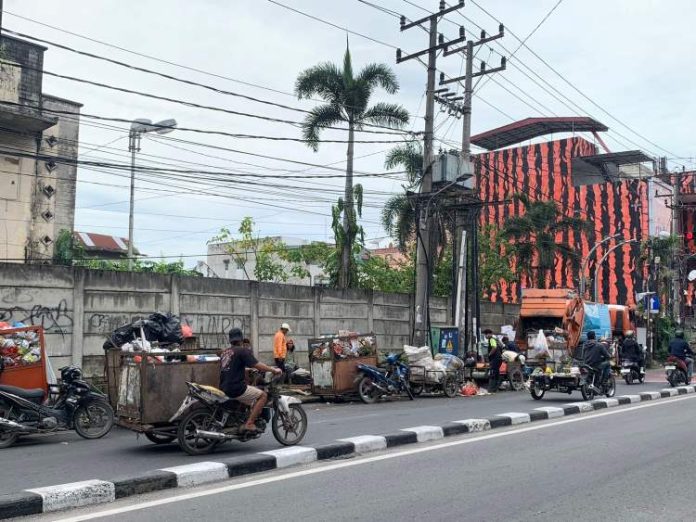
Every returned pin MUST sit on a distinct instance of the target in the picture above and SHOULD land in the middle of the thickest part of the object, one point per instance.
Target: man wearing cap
(280, 346)
(233, 363)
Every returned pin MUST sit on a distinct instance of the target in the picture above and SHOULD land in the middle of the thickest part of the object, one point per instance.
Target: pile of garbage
(431, 369)
(19, 348)
(157, 335)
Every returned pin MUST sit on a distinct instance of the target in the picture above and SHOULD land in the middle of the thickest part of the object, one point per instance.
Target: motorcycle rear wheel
(610, 387)
(94, 419)
(450, 387)
(368, 392)
(587, 392)
(416, 389)
(197, 419)
(294, 422)
(7, 438)
(537, 392)
(628, 378)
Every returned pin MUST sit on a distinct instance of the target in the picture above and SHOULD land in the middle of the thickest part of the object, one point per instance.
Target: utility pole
(677, 231)
(133, 146)
(470, 313)
(425, 251)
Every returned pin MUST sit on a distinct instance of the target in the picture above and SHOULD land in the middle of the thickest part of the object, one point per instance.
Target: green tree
(494, 260)
(534, 233)
(347, 98)
(399, 214)
(265, 255)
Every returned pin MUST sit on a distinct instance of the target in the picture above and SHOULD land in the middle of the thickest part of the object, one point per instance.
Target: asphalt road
(45, 461)
(632, 463)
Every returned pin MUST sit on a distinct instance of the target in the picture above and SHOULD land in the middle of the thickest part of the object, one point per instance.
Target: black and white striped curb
(90, 492)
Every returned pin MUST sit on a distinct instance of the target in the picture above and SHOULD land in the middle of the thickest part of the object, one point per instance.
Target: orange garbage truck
(563, 318)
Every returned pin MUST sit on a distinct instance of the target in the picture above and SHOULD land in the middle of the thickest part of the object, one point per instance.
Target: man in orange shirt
(280, 347)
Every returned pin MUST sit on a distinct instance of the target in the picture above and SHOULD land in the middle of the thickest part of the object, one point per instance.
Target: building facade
(626, 204)
(37, 192)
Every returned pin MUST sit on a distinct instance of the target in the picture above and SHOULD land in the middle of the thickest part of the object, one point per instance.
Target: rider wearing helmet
(233, 363)
(679, 348)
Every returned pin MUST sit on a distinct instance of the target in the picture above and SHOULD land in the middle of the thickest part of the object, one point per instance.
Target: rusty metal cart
(146, 389)
(445, 382)
(334, 361)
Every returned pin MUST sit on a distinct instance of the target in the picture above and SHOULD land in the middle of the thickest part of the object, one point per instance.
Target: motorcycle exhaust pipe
(212, 435)
(14, 426)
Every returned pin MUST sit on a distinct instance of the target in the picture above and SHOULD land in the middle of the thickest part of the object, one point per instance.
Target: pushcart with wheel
(439, 382)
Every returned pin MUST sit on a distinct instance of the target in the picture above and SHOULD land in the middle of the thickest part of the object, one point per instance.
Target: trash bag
(164, 328)
(120, 336)
(541, 346)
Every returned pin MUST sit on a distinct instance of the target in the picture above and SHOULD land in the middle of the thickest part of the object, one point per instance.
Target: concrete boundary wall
(78, 308)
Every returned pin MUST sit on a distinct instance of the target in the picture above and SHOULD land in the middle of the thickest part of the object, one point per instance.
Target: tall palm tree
(398, 214)
(347, 97)
(534, 237)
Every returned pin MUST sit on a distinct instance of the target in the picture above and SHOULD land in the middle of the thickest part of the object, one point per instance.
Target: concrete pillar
(254, 315)
(370, 311)
(317, 310)
(78, 316)
(174, 299)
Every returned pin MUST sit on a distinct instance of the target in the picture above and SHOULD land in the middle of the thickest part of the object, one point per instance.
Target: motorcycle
(588, 386)
(375, 383)
(74, 404)
(676, 371)
(630, 371)
(207, 418)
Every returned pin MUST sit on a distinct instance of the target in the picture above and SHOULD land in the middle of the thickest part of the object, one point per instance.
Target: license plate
(670, 367)
(624, 372)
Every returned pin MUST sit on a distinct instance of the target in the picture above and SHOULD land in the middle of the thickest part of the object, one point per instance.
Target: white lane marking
(516, 417)
(426, 433)
(291, 456)
(367, 443)
(361, 461)
(552, 411)
(198, 473)
(76, 494)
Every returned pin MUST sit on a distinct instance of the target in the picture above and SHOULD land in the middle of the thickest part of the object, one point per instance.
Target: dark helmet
(236, 335)
(70, 374)
(591, 335)
(679, 333)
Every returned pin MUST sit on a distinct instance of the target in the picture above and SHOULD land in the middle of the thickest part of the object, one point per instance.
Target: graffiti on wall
(19, 306)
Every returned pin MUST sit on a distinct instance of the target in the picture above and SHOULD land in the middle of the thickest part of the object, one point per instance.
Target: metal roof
(529, 128)
(92, 242)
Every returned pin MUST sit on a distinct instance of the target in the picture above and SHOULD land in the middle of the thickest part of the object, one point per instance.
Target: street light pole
(587, 258)
(138, 128)
(601, 261)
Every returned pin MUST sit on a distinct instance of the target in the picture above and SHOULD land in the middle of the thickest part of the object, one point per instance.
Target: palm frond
(387, 114)
(324, 80)
(409, 157)
(318, 118)
(380, 74)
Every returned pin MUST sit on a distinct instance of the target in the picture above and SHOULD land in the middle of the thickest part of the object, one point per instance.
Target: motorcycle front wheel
(189, 440)
(537, 391)
(587, 392)
(289, 428)
(367, 390)
(610, 387)
(94, 419)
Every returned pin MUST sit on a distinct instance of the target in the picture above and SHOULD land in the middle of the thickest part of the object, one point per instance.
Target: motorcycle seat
(35, 393)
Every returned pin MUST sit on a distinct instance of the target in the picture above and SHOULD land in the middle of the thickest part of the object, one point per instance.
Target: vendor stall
(333, 362)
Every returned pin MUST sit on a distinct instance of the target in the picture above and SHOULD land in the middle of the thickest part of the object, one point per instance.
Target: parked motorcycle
(588, 384)
(207, 418)
(375, 383)
(676, 371)
(630, 371)
(74, 404)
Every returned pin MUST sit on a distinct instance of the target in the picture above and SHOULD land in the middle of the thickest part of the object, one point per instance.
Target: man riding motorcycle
(631, 351)
(680, 349)
(596, 356)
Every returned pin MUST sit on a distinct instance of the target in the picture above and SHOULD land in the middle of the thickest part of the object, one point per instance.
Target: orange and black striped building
(543, 171)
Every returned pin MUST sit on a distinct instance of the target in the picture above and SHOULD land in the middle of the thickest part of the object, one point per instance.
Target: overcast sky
(630, 57)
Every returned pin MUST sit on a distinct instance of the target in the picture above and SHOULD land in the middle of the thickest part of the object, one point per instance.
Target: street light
(601, 261)
(587, 258)
(138, 128)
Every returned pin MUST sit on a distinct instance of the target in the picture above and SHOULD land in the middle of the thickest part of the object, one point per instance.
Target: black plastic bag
(171, 329)
(120, 336)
